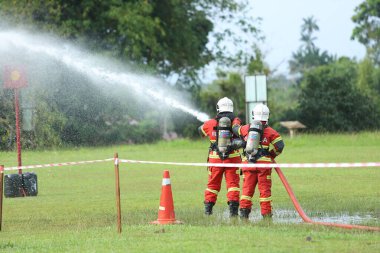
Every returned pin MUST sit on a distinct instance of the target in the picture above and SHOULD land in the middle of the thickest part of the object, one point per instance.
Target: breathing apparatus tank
(224, 137)
(254, 136)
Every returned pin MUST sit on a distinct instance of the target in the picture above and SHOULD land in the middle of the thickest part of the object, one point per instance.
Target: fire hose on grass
(303, 215)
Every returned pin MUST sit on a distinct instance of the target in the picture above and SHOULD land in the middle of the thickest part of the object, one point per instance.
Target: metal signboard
(14, 78)
(255, 93)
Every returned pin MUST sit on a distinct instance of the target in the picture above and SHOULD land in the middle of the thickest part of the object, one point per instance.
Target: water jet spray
(91, 66)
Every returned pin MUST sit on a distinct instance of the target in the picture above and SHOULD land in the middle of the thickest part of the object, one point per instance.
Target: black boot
(267, 216)
(244, 213)
(234, 208)
(208, 207)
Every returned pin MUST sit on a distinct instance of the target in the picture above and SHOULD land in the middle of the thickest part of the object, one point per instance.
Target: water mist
(96, 68)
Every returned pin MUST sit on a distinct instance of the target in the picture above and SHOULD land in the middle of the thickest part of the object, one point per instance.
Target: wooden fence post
(1, 193)
(117, 184)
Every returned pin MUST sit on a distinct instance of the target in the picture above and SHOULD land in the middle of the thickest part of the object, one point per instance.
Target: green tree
(283, 94)
(229, 85)
(369, 79)
(308, 55)
(257, 64)
(170, 36)
(330, 100)
(307, 29)
(7, 120)
(49, 125)
(367, 30)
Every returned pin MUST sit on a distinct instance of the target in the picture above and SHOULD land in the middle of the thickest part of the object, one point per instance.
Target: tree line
(168, 38)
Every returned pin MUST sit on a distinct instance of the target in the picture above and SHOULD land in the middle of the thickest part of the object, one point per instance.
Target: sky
(281, 26)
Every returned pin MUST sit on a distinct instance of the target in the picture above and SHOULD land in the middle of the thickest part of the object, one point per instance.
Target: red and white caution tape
(55, 164)
(240, 165)
(264, 165)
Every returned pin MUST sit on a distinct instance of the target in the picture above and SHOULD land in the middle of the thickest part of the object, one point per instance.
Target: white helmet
(225, 105)
(260, 112)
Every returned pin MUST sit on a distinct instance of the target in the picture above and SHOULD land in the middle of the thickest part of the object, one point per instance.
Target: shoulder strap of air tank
(255, 130)
(258, 130)
(223, 128)
(261, 134)
(215, 144)
(217, 127)
(217, 124)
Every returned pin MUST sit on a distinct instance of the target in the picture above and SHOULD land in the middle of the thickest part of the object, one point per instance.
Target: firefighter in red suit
(270, 146)
(214, 131)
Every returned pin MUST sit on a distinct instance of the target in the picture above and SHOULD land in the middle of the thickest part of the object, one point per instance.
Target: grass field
(75, 209)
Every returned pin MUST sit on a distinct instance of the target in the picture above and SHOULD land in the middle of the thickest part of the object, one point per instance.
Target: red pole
(18, 135)
(1, 193)
(117, 184)
(18, 138)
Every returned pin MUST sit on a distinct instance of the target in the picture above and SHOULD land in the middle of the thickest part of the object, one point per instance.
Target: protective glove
(253, 159)
(238, 143)
(272, 154)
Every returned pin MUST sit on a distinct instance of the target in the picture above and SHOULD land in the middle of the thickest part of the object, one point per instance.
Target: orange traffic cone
(166, 213)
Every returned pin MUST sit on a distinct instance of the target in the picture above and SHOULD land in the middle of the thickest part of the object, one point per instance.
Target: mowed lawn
(75, 210)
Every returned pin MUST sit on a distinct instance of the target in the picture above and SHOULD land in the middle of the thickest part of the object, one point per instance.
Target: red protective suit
(272, 145)
(232, 176)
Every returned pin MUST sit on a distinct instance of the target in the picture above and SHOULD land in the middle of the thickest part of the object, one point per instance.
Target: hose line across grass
(306, 218)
